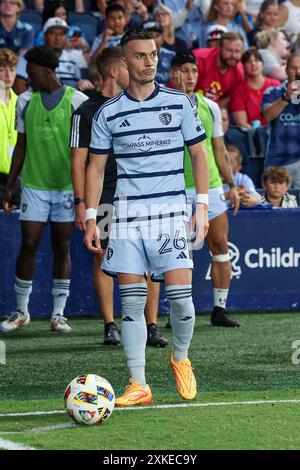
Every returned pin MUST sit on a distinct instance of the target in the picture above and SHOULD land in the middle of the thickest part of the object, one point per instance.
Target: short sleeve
(270, 96)
(101, 138)
(192, 127)
(21, 68)
(22, 104)
(217, 130)
(80, 131)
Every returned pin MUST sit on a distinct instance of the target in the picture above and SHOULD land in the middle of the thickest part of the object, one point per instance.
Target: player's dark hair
(182, 58)
(114, 7)
(43, 56)
(136, 34)
(106, 59)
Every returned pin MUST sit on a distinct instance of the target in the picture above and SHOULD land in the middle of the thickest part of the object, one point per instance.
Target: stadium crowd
(239, 60)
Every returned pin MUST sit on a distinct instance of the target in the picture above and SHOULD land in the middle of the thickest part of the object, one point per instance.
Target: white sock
(60, 293)
(134, 329)
(220, 297)
(23, 290)
(182, 318)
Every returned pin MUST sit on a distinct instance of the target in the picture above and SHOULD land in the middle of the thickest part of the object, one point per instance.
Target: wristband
(231, 185)
(91, 213)
(202, 199)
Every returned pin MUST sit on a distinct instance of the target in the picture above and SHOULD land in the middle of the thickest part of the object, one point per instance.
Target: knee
(61, 248)
(219, 245)
(29, 246)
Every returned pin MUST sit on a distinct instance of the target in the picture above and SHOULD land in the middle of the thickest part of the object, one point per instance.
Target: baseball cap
(152, 26)
(215, 31)
(55, 23)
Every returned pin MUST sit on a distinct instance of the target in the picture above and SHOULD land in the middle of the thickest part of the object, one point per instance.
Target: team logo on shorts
(24, 207)
(110, 253)
(165, 118)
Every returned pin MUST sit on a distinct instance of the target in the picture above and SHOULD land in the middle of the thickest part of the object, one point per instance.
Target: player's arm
(224, 166)
(93, 189)
(78, 165)
(18, 158)
(201, 178)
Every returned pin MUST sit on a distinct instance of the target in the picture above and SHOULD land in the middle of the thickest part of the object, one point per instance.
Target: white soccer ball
(89, 399)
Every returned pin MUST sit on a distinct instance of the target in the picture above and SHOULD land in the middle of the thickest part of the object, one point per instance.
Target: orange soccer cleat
(185, 378)
(135, 394)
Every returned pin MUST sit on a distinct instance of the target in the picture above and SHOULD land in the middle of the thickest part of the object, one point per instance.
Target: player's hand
(6, 202)
(177, 80)
(249, 200)
(80, 217)
(92, 237)
(234, 199)
(200, 223)
(107, 34)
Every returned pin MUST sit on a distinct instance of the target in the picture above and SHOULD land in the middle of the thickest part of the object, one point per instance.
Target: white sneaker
(14, 321)
(59, 323)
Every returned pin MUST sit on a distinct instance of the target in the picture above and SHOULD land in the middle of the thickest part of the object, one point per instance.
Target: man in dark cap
(43, 122)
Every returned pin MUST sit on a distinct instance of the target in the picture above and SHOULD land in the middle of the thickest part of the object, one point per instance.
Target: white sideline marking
(177, 405)
(8, 445)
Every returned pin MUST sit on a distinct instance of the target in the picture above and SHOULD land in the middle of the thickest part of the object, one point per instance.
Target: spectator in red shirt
(247, 97)
(220, 69)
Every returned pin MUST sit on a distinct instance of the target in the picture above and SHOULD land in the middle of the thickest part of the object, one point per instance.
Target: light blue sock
(182, 318)
(134, 329)
(23, 290)
(60, 293)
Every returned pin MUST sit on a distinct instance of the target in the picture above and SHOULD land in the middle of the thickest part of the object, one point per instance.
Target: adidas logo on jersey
(182, 255)
(124, 124)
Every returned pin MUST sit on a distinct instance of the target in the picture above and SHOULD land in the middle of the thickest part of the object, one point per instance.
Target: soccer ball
(89, 399)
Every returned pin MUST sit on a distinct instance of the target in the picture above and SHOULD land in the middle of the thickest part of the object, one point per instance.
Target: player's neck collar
(153, 94)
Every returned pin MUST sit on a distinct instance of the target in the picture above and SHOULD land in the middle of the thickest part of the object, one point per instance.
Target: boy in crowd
(276, 181)
(248, 195)
(115, 22)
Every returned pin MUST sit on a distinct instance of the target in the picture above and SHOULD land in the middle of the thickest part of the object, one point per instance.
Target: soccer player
(42, 154)
(184, 77)
(147, 126)
(115, 78)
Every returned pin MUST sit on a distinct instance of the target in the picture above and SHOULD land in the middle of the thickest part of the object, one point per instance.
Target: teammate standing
(147, 126)
(42, 154)
(184, 77)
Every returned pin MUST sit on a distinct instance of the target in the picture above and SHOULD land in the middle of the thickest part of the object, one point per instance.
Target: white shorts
(216, 201)
(40, 206)
(139, 250)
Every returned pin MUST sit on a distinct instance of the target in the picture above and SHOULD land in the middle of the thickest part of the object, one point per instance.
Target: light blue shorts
(155, 249)
(216, 201)
(40, 206)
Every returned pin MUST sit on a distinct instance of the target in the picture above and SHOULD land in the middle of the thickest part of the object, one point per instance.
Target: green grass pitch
(232, 366)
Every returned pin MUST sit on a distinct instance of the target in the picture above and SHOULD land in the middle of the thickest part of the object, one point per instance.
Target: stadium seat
(89, 24)
(34, 18)
(252, 144)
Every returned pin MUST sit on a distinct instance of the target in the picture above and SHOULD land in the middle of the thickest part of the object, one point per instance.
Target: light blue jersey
(147, 138)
